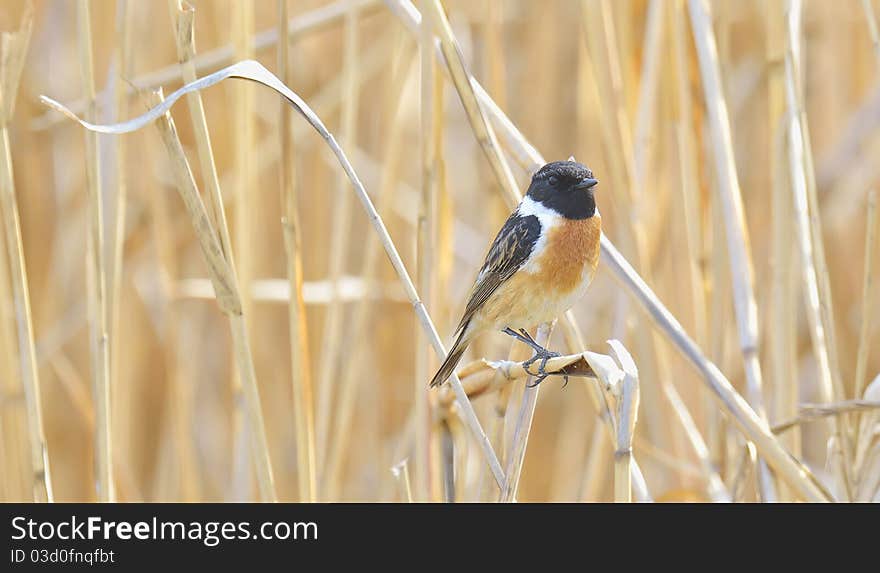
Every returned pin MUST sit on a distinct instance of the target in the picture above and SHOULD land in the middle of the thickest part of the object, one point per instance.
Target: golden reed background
(617, 84)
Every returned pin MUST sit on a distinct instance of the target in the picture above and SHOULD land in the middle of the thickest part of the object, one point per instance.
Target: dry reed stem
(715, 487)
(122, 60)
(242, 119)
(627, 413)
(811, 412)
(254, 71)
(183, 17)
(604, 51)
(13, 48)
(18, 486)
(872, 250)
(225, 286)
(810, 259)
(690, 197)
(431, 123)
(516, 454)
(482, 377)
(96, 264)
(353, 369)
(339, 239)
(793, 10)
(784, 280)
(401, 474)
(868, 446)
(300, 368)
(298, 26)
(183, 21)
(480, 125)
(872, 253)
(644, 138)
(871, 18)
(741, 270)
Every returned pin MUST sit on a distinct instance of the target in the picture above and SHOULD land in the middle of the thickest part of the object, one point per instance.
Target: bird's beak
(586, 183)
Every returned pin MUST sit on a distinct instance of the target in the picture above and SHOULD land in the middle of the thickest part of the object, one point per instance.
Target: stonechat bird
(539, 265)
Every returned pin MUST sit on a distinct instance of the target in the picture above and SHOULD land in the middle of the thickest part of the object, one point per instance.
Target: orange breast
(572, 247)
(562, 272)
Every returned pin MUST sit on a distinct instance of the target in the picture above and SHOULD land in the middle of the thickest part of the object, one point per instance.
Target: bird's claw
(543, 355)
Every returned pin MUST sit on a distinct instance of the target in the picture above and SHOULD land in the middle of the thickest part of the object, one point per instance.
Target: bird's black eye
(553, 180)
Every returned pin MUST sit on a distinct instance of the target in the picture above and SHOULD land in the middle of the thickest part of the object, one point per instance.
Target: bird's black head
(566, 187)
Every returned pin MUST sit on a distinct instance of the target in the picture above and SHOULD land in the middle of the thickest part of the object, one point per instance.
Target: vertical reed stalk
(13, 47)
(242, 121)
(516, 455)
(97, 264)
(599, 27)
(784, 285)
(122, 58)
(431, 116)
(812, 262)
(481, 127)
(737, 233)
(340, 235)
(183, 22)
(301, 380)
(872, 253)
(226, 289)
(353, 371)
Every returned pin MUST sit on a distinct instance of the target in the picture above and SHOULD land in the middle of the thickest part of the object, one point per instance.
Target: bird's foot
(541, 354)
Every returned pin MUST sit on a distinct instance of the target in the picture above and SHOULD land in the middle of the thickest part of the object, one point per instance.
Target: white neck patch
(548, 219)
(546, 215)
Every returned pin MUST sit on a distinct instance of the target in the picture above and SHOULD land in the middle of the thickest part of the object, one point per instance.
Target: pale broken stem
(737, 234)
(224, 281)
(401, 474)
(482, 377)
(812, 412)
(183, 16)
(13, 47)
(517, 453)
(97, 283)
(627, 413)
(339, 239)
(300, 367)
(254, 71)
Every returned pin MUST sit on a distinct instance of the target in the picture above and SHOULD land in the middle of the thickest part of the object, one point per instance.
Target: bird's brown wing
(510, 250)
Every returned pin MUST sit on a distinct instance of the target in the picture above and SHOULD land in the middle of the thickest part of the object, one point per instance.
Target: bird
(539, 265)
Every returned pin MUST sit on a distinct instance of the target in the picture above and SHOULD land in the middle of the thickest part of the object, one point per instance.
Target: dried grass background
(617, 84)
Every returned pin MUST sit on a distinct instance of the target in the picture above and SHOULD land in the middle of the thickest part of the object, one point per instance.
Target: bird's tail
(452, 359)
